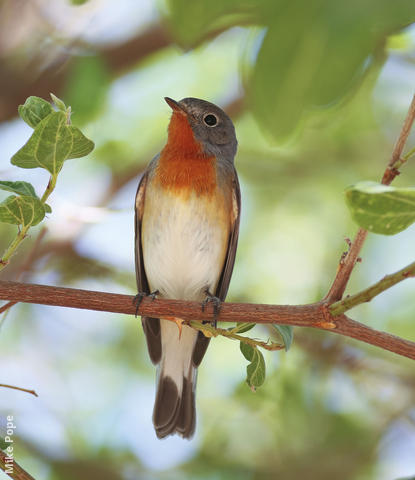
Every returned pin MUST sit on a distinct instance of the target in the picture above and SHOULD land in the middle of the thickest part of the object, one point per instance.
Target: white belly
(184, 244)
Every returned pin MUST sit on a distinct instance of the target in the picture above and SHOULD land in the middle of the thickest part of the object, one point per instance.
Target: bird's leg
(139, 298)
(210, 298)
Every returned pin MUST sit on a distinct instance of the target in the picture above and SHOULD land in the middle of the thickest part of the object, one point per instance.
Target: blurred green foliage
(312, 54)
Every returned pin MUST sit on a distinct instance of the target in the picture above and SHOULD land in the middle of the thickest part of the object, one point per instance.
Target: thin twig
(372, 291)
(347, 263)
(5, 307)
(315, 315)
(345, 268)
(12, 468)
(32, 392)
(210, 331)
(395, 161)
(23, 268)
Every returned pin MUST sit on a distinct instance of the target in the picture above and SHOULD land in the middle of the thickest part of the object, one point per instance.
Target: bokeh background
(318, 90)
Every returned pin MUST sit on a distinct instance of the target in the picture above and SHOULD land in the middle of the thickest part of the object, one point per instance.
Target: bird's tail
(174, 408)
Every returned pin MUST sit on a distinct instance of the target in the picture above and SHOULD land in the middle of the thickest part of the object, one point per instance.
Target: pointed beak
(175, 106)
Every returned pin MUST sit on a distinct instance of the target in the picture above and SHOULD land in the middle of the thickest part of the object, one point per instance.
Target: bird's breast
(185, 237)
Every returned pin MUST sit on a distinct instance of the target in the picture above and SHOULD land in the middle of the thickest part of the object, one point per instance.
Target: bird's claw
(139, 298)
(216, 302)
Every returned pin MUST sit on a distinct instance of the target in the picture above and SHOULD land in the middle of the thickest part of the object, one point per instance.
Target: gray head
(210, 125)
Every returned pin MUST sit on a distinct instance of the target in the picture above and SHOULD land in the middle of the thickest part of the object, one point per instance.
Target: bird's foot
(139, 298)
(216, 302)
(178, 321)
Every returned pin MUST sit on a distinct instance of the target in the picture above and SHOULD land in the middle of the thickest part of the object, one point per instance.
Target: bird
(187, 215)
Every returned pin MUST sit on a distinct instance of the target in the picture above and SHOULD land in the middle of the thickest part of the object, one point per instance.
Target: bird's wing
(151, 326)
(225, 276)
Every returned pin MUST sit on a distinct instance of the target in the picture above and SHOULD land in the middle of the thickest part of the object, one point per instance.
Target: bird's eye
(210, 120)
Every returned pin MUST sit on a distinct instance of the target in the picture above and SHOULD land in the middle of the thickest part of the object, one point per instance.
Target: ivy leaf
(242, 327)
(60, 105)
(380, 208)
(286, 333)
(255, 371)
(21, 188)
(247, 351)
(22, 210)
(52, 142)
(34, 110)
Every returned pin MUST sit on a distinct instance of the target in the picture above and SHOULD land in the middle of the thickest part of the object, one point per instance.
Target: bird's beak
(175, 106)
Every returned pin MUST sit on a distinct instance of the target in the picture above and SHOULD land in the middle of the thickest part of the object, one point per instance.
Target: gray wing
(225, 277)
(151, 326)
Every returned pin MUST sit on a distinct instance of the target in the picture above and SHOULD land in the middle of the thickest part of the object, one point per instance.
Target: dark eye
(210, 120)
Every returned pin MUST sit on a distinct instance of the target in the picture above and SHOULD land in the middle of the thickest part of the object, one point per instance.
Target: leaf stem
(366, 295)
(49, 189)
(21, 235)
(210, 331)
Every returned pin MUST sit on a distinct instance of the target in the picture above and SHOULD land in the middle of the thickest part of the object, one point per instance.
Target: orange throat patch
(183, 165)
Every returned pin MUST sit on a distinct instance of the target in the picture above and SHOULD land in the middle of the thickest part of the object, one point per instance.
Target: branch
(347, 263)
(345, 268)
(396, 161)
(366, 295)
(19, 388)
(12, 468)
(315, 315)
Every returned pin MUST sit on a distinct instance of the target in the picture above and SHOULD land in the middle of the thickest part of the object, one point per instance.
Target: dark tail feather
(186, 421)
(174, 412)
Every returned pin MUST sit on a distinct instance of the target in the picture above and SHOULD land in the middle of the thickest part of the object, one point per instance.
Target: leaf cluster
(53, 141)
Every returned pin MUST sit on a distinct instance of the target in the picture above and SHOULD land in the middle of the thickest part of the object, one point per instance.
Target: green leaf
(242, 327)
(21, 188)
(48, 208)
(52, 142)
(255, 371)
(247, 351)
(21, 210)
(286, 333)
(34, 110)
(59, 103)
(380, 208)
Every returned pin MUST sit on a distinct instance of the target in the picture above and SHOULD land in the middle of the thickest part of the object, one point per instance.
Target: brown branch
(315, 315)
(392, 169)
(347, 263)
(32, 392)
(17, 472)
